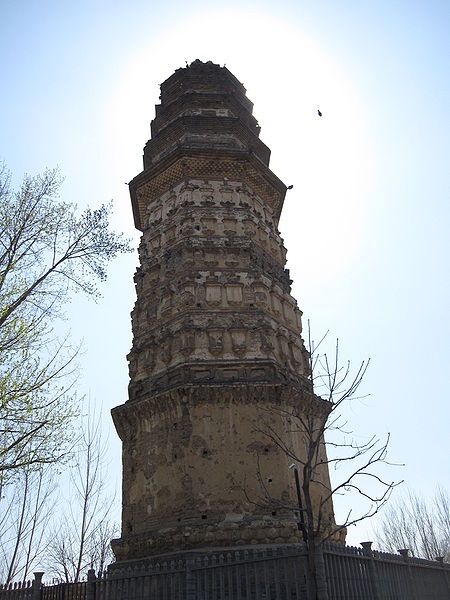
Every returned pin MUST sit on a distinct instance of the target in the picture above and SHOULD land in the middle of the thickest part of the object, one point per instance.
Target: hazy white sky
(367, 222)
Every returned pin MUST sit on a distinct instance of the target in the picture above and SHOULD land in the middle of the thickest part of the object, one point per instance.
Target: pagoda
(217, 349)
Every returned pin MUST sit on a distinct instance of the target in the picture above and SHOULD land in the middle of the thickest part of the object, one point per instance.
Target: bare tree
(47, 250)
(81, 540)
(319, 439)
(419, 524)
(26, 510)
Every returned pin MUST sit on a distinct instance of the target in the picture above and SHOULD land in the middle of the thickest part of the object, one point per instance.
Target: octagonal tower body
(217, 356)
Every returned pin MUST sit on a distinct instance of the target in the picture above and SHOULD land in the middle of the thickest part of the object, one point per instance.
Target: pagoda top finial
(203, 76)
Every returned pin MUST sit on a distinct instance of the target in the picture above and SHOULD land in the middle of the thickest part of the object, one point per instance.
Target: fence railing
(275, 573)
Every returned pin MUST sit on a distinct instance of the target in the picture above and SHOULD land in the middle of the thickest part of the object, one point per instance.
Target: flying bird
(319, 113)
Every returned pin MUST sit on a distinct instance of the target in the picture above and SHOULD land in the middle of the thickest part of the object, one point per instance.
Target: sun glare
(289, 76)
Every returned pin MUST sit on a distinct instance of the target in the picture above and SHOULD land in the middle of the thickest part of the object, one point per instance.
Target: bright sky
(367, 222)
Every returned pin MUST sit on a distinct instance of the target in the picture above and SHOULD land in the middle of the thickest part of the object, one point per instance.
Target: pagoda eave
(210, 164)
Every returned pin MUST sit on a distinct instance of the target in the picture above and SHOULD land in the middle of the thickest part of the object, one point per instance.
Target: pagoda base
(232, 533)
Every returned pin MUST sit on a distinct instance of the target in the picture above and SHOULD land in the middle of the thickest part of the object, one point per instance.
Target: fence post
(321, 576)
(37, 585)
(90, 585)
(445, 573)
(191, 592)
(412, 588)
(367, 551)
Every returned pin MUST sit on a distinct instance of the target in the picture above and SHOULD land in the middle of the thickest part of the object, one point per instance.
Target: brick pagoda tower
(217, 346)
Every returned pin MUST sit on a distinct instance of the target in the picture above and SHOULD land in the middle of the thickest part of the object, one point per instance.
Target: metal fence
(276, 573)
(64, 591)
(17, 591)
